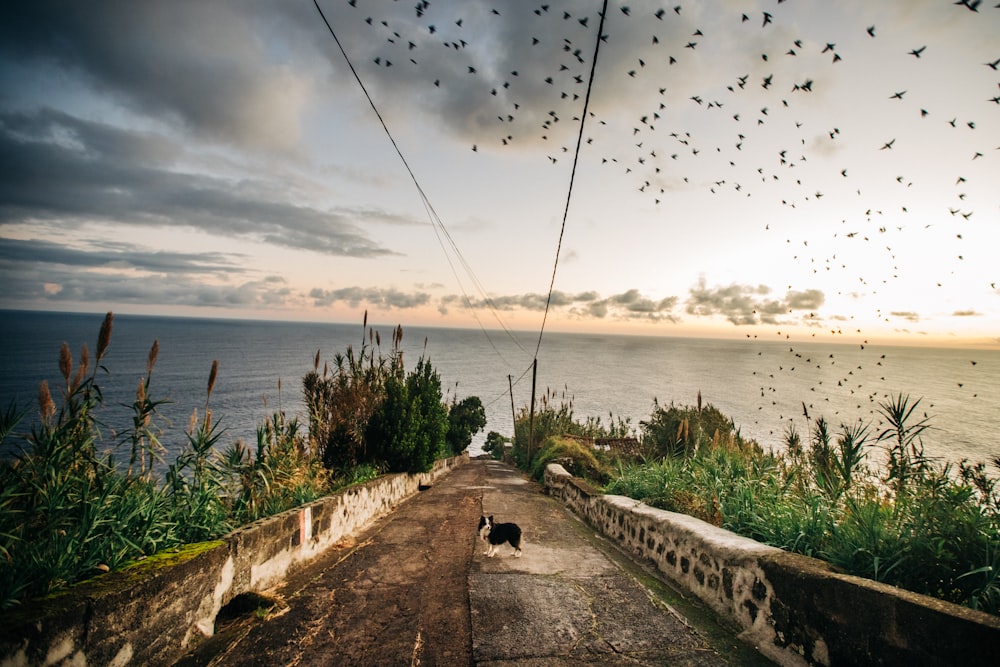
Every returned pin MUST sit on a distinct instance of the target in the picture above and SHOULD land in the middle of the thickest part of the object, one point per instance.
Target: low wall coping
(796, 609)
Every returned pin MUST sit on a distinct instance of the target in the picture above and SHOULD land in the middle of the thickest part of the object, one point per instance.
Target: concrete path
(416, 588)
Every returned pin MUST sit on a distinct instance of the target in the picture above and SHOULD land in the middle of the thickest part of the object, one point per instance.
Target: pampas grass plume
(211, 377)
(153, 353)
(46, 406)
(104, 337)
(65, 362)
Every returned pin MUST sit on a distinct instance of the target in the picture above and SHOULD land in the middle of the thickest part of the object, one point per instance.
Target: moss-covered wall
(151, 612)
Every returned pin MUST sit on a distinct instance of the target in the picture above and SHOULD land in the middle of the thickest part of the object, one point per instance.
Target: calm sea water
(761, 385)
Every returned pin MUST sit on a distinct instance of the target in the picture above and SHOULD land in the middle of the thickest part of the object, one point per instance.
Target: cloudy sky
(827, 169)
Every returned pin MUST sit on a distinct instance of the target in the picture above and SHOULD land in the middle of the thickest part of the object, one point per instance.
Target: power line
(436, 223)
(572, 176)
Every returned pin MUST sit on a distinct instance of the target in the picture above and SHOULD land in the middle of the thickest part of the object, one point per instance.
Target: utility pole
(513, 415)
(531, 418)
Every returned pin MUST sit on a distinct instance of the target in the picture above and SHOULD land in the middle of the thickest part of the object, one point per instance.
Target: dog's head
(485, 526)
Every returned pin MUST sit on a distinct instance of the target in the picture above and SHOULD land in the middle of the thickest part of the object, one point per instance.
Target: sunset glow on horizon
(748, 169)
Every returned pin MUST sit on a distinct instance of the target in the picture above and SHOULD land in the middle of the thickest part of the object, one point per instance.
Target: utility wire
(436, 222)
(572, 176)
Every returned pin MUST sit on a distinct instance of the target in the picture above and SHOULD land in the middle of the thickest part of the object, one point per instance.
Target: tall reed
(70, 511)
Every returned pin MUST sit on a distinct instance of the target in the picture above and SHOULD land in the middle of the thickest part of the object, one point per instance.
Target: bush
(367, 410)
(920, 525)
(577, 457)
(552, 419)
(680, 431)
(69, 510)
(407, 431)
(465, 418)
(495, 445)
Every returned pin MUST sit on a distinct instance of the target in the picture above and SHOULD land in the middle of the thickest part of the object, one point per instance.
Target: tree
(465, 418)
(495, 444)
(409, 427)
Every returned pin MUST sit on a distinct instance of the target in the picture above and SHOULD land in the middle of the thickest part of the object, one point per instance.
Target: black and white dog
(495, 534)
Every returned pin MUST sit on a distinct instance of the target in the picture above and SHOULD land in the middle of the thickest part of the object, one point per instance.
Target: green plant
(278, 475)
(342, 400)
(552, 418)
(923, 526)
(70, 511)
(577, 457)
(495, 444)
(906, 449)
(680, 430)
(368, 410)
(465, 418)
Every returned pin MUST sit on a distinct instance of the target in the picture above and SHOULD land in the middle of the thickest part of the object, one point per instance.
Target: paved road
(416, 588)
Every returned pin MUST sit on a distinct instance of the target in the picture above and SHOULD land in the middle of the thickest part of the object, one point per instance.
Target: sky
(746, 168)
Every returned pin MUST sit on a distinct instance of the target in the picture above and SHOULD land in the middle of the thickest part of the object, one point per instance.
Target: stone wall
(796, 610)
(149, 614)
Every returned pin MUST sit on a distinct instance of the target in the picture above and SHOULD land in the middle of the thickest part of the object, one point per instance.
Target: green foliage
(69, 510)
(577, 457)
(495, 444)
(557, 419)
(279, 475)
(923, 526)
(368, 410)
(407, 430)
(465, 418)
(680, 431)
(343, 399)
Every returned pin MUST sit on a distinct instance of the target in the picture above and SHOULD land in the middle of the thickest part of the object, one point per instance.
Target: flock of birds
(538, 104)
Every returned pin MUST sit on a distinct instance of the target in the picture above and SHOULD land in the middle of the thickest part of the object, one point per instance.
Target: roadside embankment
(796, 609)
(151, 612)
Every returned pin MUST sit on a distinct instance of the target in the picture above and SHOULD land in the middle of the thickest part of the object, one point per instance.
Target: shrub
(680, 431)
(465, 418)
(367, 410)
(920, 525)
(552, 419)
(69, 510)
(495, 444)
(407, 431)
(577, 457)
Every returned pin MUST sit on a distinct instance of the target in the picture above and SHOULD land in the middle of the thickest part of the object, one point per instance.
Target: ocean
(761, 385)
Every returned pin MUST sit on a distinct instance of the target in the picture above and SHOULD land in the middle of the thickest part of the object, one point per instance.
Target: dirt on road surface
(415, 588)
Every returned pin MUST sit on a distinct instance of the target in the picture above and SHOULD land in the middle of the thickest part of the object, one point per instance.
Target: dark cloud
(497, 75)
(42, 272)
(201, 65)
(909, 316)
(966, 313)
(629, 305)
(108, 254)
(375, 296)
(57, 286)
(748, 304)
(55, 167)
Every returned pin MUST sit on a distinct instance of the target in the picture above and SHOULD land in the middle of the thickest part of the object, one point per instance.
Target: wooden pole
(513, 415)
(531, 418)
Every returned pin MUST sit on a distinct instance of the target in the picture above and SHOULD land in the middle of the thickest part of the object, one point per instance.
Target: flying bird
(971, 6)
